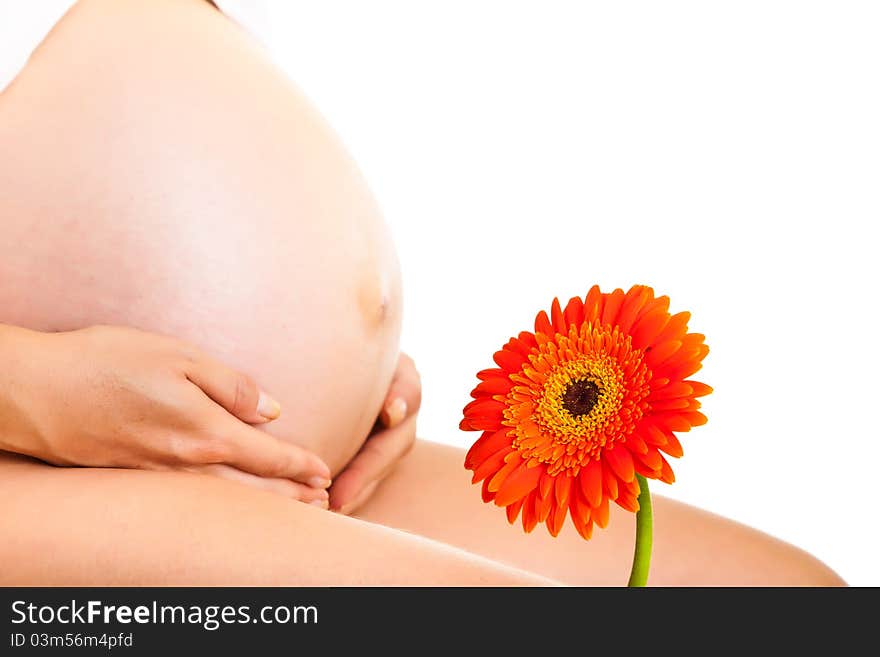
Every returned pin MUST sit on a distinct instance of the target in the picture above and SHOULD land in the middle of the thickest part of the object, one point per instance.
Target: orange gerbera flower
(576, 409)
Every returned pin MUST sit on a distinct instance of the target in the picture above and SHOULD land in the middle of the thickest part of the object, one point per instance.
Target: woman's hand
(118, 397)
(393, 436)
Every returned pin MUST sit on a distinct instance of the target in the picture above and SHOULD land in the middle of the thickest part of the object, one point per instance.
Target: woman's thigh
(84, 527)
(430, 494)
(158, 171)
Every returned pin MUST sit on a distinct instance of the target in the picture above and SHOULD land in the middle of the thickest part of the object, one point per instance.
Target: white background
(728, 154)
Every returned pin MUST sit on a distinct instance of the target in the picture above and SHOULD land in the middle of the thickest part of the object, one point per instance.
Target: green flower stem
(644, 535)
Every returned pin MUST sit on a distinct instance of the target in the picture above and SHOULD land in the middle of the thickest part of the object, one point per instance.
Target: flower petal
(593, 303)
(628, 501)
(479, 424)
(486, 494)
(601, 513)
(546, 484)
(574, 312)
(580, 514)
(543, 506)
(487, 445)
(527, 340)
(636, 443)
(672, 446)
(684, 356)
(651, 458)
(688, 367)
(657, 304)
(609, 481)
(633, 302)
(491, 465)
(653, 434)
(493, 386)
(484, 407)
(660, 352)
(508, 360)
(590, 479)
(511, 462)
(695, 418)
(675, 328)
(543, 325)
(672, 390)
(557, 518)
(699, 389)
(621, 461)
(513, 510)
(672, 421)
(613, 301)
(562, 488)
(645, 471)
(646, 329)
(518, 484)
(678, 404)
(666, 473)
(585, 530)
(529, 517)
(490, 373)
(556, 317)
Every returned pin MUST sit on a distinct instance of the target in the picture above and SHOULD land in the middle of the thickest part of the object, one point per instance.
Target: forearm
(64, 526)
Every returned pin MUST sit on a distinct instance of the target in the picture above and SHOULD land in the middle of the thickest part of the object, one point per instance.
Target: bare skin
(79, 527)
(190, 190)
(118, 397)
(690, 546)
(84, 526)
(158, 172)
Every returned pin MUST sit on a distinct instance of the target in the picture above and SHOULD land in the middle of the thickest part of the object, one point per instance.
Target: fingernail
(319, 482)
(324, 504)
(341, 508)
(268, 407)
(396, 411)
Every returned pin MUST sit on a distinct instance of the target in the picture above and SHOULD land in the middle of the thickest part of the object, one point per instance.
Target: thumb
(236, 392)
(404, 395)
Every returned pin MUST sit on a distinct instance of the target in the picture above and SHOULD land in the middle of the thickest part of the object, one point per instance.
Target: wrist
(20, 351)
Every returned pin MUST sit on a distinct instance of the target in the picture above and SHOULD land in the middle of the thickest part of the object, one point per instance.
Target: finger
(236, 392)
(242, 446)
(285, 487)
(365, 494)
(374, 461)
(404, 395)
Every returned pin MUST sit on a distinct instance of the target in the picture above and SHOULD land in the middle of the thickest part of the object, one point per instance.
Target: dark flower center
(580, 397)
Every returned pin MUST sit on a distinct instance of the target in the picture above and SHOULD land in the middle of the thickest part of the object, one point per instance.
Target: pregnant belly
(192, 191)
